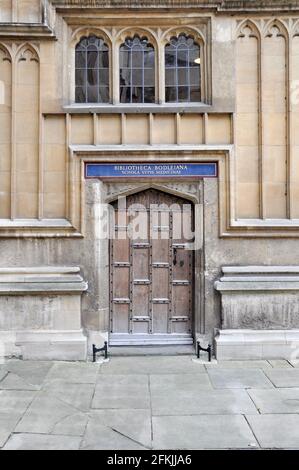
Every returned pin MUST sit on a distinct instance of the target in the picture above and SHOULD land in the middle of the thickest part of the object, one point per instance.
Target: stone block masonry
(40, 313)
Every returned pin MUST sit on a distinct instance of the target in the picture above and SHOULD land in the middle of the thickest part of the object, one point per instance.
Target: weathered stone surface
(31, 372)
(280, 363)
(181, 382)
(276, 431)
(238, 378)
(3, 373)
(176, 350)
(45, 413)
(14, 382)
(118, 429)
(276, 401)
(153, 365)
(54, 346)
(199, 402)
(41, 211)
(240, 365)
(77, 395)
(40, 300)
(74, 425)
(259, 297)
(284, 377)
(74, 372)
(15, 401)
(42, 442)
(256, 344)
(185, 409)
(261, 310)
(8, 422)
(206, 432)
(39, 312)
(204, 4)
(122, 391)
(12, 406)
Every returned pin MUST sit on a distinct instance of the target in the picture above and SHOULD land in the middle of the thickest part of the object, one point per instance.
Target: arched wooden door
(151, 270)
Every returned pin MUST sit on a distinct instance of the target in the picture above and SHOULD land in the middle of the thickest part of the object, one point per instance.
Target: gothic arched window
(92, 71)
(182, 70)
(137, 71)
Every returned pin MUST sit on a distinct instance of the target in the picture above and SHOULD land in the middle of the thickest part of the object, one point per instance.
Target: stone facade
(247, 122)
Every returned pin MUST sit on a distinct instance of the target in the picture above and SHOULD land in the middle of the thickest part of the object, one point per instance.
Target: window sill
(35, 223)
(138, 108)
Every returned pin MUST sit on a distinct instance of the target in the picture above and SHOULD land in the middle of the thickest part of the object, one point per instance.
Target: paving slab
(15, 382)
(284, 377)
(197, 402)
(206, 432)
(74, 425)
(276, 431)
(118, 429)
(78, 396)
(295, 363)
(44, 414)
(74, 372)
(42, 442)
(12, 406)
(3, 373)
(32, 372)
(180, 382)
(238, 378)
(240, 365)
(59, 405)
(15, 401)
(122, 392)
(280, 363)
(8, 422)
(152, 365)
(283, 400)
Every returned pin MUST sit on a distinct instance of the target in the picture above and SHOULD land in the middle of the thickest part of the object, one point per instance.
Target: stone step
(180, 350)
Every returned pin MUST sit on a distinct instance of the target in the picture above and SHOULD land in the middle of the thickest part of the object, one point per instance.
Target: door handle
(174, 256)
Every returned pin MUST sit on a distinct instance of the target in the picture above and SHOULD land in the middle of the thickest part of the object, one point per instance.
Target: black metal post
(96, 350)
(208, 350)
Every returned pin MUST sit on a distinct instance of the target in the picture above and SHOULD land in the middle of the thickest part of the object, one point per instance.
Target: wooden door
(151, 270)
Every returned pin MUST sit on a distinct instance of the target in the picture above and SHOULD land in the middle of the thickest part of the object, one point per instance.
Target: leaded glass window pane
(182, 70)
(92, 71)
(137, 71)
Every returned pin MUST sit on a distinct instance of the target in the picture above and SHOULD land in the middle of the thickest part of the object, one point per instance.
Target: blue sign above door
(150, 170)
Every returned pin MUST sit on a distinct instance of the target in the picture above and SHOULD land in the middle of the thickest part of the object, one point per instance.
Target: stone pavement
(152, 402)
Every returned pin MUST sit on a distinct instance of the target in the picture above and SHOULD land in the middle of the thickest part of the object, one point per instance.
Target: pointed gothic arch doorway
(152, 270)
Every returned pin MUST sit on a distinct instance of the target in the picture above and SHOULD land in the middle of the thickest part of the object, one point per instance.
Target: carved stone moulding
(216, 5)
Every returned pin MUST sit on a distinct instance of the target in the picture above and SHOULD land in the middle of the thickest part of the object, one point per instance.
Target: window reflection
(92, 71)
(137, 71)
(182, 70)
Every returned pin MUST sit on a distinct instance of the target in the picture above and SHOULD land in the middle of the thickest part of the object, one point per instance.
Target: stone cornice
(26, 31)
(216, 5)
(258, 278)
(38, 280)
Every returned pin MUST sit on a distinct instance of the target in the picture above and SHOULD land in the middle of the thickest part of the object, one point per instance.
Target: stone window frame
(206, 75)
(75, 40)
(136, 43)
(99, 47)
(174, 44)
(159, 39)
